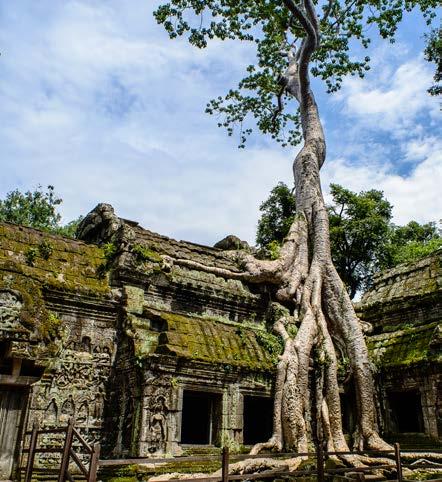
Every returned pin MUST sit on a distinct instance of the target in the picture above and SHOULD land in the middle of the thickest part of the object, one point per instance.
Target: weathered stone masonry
(138, 349)
(57, 326)
(405, 308)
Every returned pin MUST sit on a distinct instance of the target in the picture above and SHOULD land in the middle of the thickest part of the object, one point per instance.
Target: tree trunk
(321, 301)
(308, 282)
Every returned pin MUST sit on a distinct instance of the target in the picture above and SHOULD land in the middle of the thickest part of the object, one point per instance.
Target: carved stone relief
(158, 405)
(10, 307)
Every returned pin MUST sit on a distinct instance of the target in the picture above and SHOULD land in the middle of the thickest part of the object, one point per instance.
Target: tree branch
(311, 13)
(301, 17)
(283, 83)
(343, 14)
(328, 10)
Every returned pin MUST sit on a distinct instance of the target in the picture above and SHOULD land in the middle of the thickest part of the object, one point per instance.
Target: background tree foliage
(411, 242)
(359, 228)
(363, 238)
(37, 209)
(259, 99)
(433, 53)
(277, 215)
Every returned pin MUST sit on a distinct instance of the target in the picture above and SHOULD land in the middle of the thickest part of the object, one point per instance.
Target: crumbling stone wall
(181, 330)
(110, 330)
(405, 308)
(57, 326)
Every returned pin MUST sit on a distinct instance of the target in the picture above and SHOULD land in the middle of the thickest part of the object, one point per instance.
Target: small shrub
(142, 253)
(31, 255)
(45, 249)
(110, 253)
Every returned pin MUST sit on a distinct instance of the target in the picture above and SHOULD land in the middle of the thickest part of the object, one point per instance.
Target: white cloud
(416, 196)
(391, 102)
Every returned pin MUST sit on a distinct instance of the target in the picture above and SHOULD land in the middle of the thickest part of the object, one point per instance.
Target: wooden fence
(94, 463)
(67, 453)
(320, 472)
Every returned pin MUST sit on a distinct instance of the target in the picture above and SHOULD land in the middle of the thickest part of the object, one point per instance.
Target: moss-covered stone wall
(114, 332)
(57, 330)
(405, 308)
(409, 294)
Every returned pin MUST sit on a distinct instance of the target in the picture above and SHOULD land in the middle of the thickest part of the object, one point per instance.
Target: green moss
(131, 473)
(32, 261)
(142, 254)
(409, 346)
(427, 474)
(121, 479)
(230, 345)
(123, 473)
(271, 343)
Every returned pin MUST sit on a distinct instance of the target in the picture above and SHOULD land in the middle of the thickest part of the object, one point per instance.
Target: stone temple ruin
(151, 357)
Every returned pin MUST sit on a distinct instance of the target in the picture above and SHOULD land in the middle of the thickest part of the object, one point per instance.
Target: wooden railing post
(66, 451)
(225, 465)
(94, 463)
(31, 453)
(397, 456)
(320, 462)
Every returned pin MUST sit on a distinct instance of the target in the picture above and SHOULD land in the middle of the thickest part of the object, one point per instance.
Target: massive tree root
(320, 310)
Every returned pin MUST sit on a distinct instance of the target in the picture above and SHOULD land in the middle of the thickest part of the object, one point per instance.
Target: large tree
(361, 233)
(293, 41)
(363, 239)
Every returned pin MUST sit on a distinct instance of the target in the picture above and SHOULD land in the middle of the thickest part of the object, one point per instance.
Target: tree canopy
(37, 209)
(260, 100)
(433, 53)
(363, 238)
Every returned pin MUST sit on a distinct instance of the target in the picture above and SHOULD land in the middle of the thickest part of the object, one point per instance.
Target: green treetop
(363, 239)
(37, 209)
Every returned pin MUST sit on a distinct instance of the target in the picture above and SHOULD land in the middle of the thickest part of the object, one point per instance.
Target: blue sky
(96, 100)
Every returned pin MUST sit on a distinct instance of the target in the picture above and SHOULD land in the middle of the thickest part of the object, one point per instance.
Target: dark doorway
(406, 412)
(258, 419)
(201, 418)
(12, 408)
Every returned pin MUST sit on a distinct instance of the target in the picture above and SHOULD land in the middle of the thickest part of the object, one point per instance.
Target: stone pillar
(174, 418)
(232, 416)
(428, 392)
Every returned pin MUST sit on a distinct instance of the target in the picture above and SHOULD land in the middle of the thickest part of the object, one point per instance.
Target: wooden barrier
(225, 465)
(397, 457)
(320, 472)
(93, 452)
(68, 453)
(31, 454)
